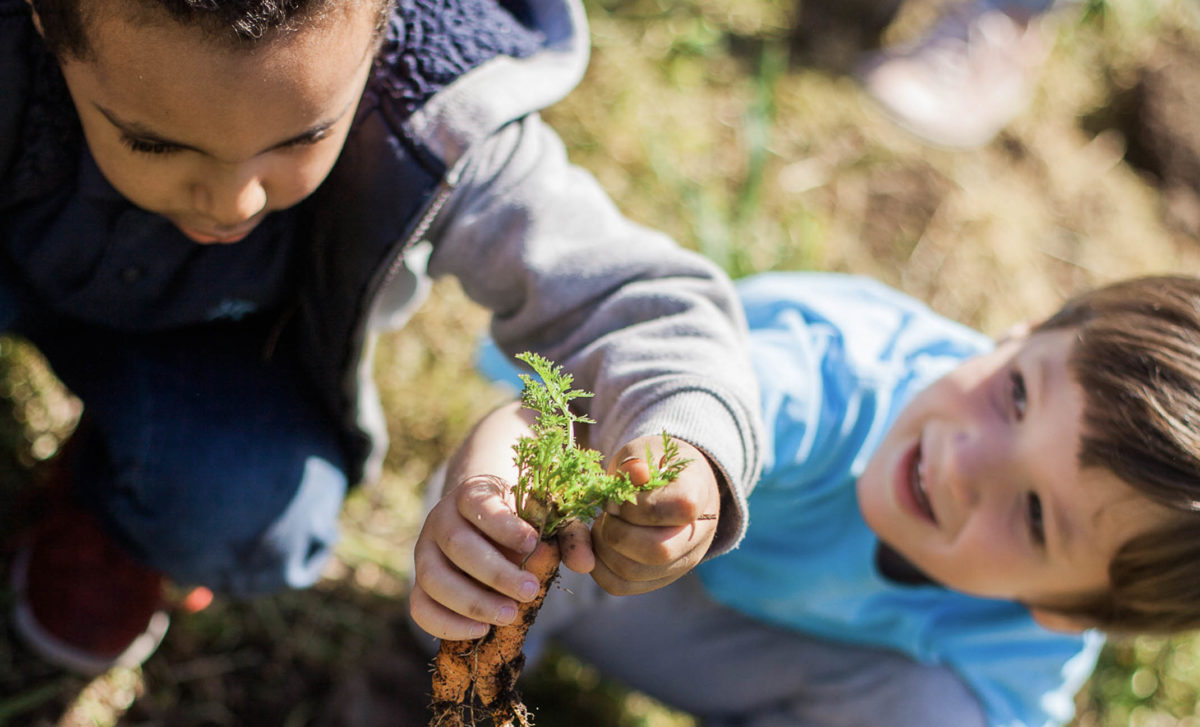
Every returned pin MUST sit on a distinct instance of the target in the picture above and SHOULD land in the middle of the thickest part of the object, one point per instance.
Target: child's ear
(1060, 622)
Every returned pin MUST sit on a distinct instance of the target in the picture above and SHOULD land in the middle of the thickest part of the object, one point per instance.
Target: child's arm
(466, 572)
(466, 556)
(462, 560)
(655, 331)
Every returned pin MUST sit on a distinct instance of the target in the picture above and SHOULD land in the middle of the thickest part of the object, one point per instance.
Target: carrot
(474, 682)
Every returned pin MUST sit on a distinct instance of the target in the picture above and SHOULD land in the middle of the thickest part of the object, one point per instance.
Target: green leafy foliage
(558, 481)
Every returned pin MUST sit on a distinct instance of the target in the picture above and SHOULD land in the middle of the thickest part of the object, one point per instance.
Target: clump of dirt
(1157, 115)
(833, 35)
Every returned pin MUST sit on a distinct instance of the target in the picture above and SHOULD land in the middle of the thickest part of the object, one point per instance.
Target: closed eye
(152, 146)
(1017, 393)
(1035, 518)
(306, 139)
(148, 146)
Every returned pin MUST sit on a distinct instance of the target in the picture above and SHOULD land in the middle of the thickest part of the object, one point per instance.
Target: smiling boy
(977, 482)
(944, 526)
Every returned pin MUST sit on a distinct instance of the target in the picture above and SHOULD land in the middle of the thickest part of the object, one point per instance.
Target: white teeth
(918, 481)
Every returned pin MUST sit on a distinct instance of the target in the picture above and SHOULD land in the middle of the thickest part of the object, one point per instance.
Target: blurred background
(738, 127)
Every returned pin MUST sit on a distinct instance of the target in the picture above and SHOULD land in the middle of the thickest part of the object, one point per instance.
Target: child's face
(212, 137)
(978, 484)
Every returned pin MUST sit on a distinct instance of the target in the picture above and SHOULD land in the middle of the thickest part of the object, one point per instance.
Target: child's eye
(1016, 385)
(142, 146)
(308, 140)
(1037, 528)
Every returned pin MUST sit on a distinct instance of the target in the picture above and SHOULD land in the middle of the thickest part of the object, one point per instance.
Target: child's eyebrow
(143, 132)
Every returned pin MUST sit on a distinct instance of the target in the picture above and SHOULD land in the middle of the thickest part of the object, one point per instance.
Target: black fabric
(894, 567)
(40, 136)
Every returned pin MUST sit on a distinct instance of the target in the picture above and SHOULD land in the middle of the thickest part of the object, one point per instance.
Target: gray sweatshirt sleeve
(653, 329)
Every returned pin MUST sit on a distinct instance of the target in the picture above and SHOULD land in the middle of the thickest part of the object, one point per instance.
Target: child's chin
(204, 238)
(873, 504)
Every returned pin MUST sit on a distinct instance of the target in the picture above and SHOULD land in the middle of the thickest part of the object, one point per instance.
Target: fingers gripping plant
(474, 682)
(557, 481)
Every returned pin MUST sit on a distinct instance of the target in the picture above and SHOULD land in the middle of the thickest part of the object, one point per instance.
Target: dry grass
(695, 119)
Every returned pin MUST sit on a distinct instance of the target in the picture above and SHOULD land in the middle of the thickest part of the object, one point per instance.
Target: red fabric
(84, 589)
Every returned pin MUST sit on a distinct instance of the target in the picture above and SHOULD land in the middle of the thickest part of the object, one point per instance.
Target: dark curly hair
(64, 23)
(1136, 355)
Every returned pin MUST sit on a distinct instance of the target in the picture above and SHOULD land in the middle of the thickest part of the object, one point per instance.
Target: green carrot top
(558, 481)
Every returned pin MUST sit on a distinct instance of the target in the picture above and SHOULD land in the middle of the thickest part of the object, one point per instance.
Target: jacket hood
(506, 88)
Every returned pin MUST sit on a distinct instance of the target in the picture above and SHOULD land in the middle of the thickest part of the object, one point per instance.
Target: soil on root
(475, 681)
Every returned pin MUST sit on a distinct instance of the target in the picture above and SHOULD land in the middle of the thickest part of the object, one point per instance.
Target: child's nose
(231, 202)
(961, 469)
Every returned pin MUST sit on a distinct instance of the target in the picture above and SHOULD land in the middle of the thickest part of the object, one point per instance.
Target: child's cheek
(301, 177)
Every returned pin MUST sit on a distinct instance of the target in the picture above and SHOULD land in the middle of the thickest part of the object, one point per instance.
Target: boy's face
(215, 137)
(978, 485)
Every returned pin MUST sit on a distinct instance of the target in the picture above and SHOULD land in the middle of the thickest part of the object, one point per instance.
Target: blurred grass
(697, 118)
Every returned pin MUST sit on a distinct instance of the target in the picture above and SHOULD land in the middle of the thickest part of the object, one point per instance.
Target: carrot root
(474, 682)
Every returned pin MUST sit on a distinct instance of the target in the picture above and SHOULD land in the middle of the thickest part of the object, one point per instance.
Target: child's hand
(464, 569)
(645, 545)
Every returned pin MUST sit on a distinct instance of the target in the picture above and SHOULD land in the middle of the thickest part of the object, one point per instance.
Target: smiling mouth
(916, 483)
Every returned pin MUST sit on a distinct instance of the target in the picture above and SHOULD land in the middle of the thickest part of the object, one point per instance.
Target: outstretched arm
(467, 554)
(464, 576)
(654, 330)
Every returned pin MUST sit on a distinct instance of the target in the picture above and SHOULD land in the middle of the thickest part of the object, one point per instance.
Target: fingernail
(479, 631)
(528, 590)
(530, 543)
(506, 615)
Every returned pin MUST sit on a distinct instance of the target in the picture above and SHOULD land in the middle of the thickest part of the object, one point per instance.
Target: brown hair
(64, 22)
(1136, 356)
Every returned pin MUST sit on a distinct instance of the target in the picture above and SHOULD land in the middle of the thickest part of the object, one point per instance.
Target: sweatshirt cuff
(727, 434)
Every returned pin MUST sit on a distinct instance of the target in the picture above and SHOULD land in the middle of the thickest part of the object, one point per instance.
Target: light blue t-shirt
(837, 357)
